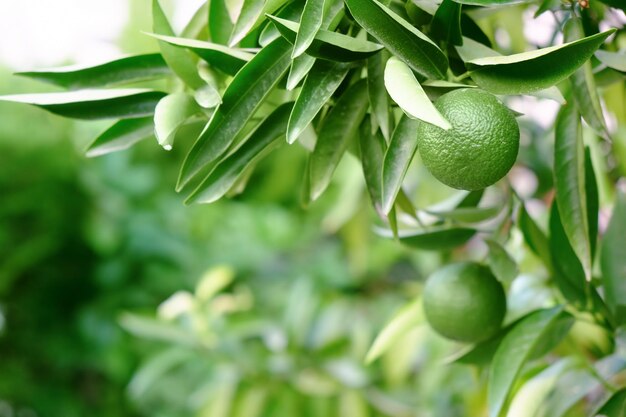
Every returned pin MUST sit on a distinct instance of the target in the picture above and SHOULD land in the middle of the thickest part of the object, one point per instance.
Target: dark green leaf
(500, 262)
(94, 104)
(329, 45)
(122, 135)
(225, 174)
(535, 238)
(470, 29)
(124, 70)
(179, 60)
(372, 152)
(613, 259)
(535, 70)
(593, 201)
(310, 23)
(397, 160)
(615, 60)
(515, 349)
(220, 25)
(243, 96)
(319, 85)
(569, 182)
(338, 128)
(435, 238)
(379, 102)
(446, 24)
(227, 60)
(170, 114)
(400, 37)
(615, 406)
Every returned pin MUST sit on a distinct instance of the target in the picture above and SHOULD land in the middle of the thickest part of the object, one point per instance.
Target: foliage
(342, 83)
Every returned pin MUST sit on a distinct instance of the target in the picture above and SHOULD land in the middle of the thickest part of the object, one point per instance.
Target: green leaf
(120, 71)
(569, 182)
(228, 171)
(319, 85)
(535, 237)
(227, 60)
(251, 11)
(338, 128)
(300, 67)
(179, 60)
(220, 25)
(593, 201)
(613, 259)
(379, 101)
(372, 153)
(197, 25)
(534, 70)
(500, 262)
(516, 348)
(615, 405)
(122, 135)
(241, 99)
(409, 317)
(94, 104)
(492, 2)
(407, 92)
(446, 24)
(310, 23)
(397, 160)
(400, 37)
(468, 214)
(434, 238)
(170, 114)
(329, 45)
(615, 60)
(470, 49)
(583, 84)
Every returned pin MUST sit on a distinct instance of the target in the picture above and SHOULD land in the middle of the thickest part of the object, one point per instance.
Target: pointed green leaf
(407, 92)
(615, 60)
(319, 85)
(329, 45)
(434, 238)
(397, 160)
(613, 259)
(338, 128)
(593, 201)
(492, 2)
(243, 96)
(615, 405)
(251, 11)
(227, 60)
(179, 60)
(500, 262)
(372, 153)
(94, 104)
(446, 24)
(220, 25)
(300, 67)
(535, 70)
(583, 84)
(409, 317)
(123, 70)
(468, 214)
(569, 182)
(379, 101)
(170, 114)
(197, 26)
(122, 135)
(310, 23)
(535, 237)
(400, 37)
(516, 348)
(225, 174)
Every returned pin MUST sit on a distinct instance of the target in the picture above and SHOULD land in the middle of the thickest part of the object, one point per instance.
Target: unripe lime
(479, 149)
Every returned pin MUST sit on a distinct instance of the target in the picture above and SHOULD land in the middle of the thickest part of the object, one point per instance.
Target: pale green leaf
(436, 238)
(613, 259)
(122, 135)
(170, 114)
(379, 101)
(310, 23)
(615, 60)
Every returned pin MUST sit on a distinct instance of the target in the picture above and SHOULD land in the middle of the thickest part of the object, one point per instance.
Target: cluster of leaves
(354, 77)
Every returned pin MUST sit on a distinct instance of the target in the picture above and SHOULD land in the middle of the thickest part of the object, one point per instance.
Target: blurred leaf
(243, 96)
(299, 69)
(220, 25)
(468, 214)
(319, 86)
(372, 152)
(122, 135)
(569, 182)
(397, 160)
(615, 405)
(227, 60)
(213, 281)
(329, 45)
(407, 92)
(170, 114)
(415, 49)
(615, 60)
(492, 2)
(434, 238)
(446, 23)
(535, 70)
(226, 173)
(613, 259)
(500, 262)
(152, 329)
(583, 84)
(410, 316)
(179, 60)
(535, 238)
(514, 350)
(338, 128)
(379, 102)
(154, 369)
(94, 104)
(120, 71)
(310, 23)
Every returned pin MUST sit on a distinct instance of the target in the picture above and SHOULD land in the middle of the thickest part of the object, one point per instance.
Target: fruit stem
(461, 77)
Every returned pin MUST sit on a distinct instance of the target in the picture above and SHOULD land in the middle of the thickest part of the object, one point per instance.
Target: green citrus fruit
(464, 302)
(479, 149)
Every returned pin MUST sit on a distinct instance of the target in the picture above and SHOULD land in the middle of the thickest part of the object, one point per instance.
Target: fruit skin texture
(480, 148)
(464, 302)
